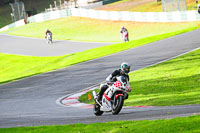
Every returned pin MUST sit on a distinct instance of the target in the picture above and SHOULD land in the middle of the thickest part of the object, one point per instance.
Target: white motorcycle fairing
(113, 98)
(106, 99)
(49, 39)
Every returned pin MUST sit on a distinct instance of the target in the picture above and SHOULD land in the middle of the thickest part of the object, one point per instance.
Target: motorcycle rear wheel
(117, 106)
(96, 109)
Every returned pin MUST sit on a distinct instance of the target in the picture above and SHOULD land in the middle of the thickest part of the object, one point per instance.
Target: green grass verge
(174, 82)
(15, 67)
(85, 29)
(176, 125)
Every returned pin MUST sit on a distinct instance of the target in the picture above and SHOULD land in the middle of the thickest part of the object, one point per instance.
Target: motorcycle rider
(124, 33)
(123, 71)
(48, 31)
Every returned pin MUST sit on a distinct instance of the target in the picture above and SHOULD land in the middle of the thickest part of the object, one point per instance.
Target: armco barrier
(182, 16)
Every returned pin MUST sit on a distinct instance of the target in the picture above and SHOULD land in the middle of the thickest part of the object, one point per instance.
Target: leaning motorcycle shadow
(55, 42)
(109, 114)
(130, 110)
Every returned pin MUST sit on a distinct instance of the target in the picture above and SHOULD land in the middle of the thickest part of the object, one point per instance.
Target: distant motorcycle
(125, 36)
(49, 38)
(113, 98)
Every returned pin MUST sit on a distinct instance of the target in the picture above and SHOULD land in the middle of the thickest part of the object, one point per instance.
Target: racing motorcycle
(125, 36)
(49, 38)
(113, 98)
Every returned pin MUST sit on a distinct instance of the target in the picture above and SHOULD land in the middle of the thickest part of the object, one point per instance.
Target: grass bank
(15, 67)
(184, 124)
(174, 82)
(142, 6)
(86, 29)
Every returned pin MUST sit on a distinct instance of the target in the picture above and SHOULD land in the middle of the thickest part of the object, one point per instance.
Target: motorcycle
(49, 38)
(113, 98)
(125, 36)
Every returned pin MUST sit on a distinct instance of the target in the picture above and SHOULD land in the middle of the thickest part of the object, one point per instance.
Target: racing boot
(99, 98)
(102, 90)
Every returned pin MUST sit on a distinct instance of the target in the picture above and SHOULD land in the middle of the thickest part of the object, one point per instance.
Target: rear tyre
(117, 106)
(96, 109)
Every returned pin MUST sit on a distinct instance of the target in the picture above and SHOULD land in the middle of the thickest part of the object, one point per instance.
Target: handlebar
(110, 83)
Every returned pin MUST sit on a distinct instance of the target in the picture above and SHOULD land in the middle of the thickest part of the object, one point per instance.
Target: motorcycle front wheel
(50, 41)
(96, 109)
(117, 105)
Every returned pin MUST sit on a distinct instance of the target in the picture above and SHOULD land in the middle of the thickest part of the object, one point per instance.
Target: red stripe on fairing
(118, 95)
(106, 97)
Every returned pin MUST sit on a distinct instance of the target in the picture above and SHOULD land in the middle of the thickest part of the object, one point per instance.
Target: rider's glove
(109, 82)
(128, 89)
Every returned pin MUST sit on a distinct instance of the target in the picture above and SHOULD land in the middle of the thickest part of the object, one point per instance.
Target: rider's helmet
(47, 29)
(125, 68)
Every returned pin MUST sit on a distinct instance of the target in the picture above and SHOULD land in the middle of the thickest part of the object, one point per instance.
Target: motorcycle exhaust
(94, 94)
(95, 97)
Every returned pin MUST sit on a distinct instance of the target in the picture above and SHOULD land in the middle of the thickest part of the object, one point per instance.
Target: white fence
(137, 16)
(112, 15)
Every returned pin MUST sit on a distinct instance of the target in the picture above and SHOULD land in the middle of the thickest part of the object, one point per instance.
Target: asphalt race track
(32, 101)
(39, 47)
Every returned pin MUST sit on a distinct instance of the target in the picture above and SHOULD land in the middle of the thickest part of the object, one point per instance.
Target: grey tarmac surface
(32, 101)
(38, 47)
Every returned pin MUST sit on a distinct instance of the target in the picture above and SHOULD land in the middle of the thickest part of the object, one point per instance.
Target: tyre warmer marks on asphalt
(72, 101)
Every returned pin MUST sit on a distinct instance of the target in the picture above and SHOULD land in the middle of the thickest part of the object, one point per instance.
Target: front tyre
(117, 106)
(96, 109)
